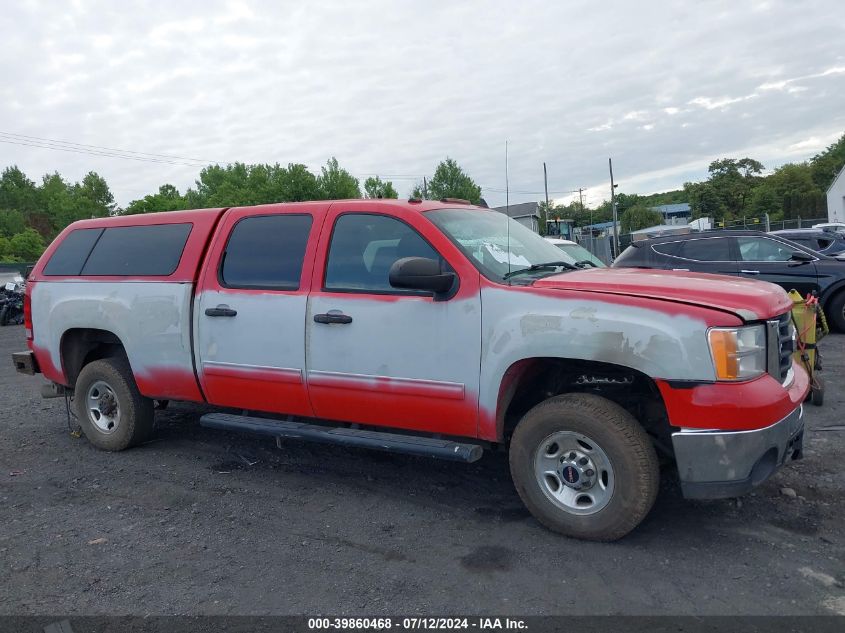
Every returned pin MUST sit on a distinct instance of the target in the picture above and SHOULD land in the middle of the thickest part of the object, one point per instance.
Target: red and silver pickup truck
(430, 328)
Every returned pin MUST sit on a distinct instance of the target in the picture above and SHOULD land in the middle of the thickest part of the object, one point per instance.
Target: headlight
(738, 353)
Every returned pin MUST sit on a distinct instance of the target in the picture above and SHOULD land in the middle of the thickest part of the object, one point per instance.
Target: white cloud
(785, 83)
(813, 143)
(392, 88)
(713, 103)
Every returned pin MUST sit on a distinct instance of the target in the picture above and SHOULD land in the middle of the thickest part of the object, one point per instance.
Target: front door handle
(333, 317)
(221, 311)
(750, 272)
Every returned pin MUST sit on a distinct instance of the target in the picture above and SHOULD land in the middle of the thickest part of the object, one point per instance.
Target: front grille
(781, 346)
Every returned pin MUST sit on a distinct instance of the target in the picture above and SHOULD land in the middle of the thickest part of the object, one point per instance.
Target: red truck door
(249, 312)
(379, 355)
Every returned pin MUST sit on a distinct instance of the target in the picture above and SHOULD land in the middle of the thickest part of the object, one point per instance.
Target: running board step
(378, 440)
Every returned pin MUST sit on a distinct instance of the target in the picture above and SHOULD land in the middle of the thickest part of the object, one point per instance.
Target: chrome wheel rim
(574, 473)
(103, 408)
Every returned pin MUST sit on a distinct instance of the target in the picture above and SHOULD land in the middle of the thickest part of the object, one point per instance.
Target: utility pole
(581, 201)
(613, 209)
(425, 189)
(544, 229)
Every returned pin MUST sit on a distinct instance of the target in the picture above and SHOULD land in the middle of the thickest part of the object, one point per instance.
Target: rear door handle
(750, 272)
(333, 317)
(221, 311)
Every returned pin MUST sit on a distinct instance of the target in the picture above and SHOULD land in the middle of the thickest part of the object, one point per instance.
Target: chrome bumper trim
(726, 463)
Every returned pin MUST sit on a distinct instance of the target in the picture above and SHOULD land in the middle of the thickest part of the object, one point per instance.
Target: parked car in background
(837, 227)
(578, 253)
(820, 240)
(750, 254)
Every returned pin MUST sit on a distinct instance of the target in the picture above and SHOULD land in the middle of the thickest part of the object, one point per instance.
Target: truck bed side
(75, 316)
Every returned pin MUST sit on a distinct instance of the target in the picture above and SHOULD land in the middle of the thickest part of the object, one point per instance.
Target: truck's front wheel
(584, 467)
(112, 412)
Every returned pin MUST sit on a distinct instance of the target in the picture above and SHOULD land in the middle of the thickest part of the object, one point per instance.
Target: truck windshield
(497, 244)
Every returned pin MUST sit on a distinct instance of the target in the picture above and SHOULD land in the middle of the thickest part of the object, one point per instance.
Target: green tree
(18, 192)
(450, 181)
(58, 203)
(732, 180)
(639, 217)
(5, 249)
(297, 184)
(92, 196)
(704, 201)
(168, 198)
(11, 223)
(336, 183)
(790, 190)
(375, 187)
(827, 164)
(27, 246)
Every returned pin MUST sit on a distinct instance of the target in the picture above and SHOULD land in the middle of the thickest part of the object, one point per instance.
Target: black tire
(618, 435)
(134, 424)
(4, 316)
(835, 311)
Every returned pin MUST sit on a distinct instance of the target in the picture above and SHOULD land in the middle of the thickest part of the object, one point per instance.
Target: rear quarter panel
(150, 315)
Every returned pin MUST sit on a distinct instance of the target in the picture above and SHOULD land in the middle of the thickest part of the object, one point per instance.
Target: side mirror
(421, 273)
(801, 256)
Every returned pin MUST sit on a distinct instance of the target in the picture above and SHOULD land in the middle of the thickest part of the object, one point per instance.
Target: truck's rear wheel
(584, 467)
(112, 412)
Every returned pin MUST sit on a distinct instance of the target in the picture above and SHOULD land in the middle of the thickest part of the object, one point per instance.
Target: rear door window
(762, 249)
(715, 249)
(266, 252)
(153, 250)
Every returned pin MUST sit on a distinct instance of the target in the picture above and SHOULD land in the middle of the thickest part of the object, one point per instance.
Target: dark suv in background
(749, 254)
(824, 242)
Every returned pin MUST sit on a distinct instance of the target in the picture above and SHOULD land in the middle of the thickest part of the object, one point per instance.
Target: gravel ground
(206, 522)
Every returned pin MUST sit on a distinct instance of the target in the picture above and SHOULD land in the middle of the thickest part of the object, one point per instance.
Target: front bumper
(718, 464)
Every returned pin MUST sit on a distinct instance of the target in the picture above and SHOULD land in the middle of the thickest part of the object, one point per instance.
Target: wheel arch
(529, 381)
(830, 292)
(81, 346)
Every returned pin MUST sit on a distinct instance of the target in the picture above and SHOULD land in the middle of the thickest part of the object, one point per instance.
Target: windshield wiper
(534, 267)
(586, 262)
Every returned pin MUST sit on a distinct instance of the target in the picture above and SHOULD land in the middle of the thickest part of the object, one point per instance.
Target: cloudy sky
(391, 88)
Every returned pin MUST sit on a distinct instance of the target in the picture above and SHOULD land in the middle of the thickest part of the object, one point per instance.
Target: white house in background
(526, 213)
(836, 198)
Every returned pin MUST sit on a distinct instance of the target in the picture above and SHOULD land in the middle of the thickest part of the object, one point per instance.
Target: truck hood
(748, 299)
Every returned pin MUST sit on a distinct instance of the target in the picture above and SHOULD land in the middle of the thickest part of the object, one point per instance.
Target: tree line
(32, 214)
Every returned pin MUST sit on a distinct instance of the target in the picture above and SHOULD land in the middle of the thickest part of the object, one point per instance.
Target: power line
(96, 153)
(85, 146)
(500, 190)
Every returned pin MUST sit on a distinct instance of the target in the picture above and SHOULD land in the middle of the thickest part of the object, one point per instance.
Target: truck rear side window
(71, 253)
(138, 250)
(266, 252)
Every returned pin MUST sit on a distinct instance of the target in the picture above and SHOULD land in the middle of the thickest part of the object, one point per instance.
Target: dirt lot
(205, 522)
